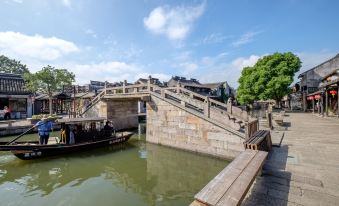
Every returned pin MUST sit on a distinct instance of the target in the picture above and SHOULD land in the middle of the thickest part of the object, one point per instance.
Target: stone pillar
(322, 104)
(207, 107)
(304, 102)
(313, 105)
(139, 107)
(326, 102)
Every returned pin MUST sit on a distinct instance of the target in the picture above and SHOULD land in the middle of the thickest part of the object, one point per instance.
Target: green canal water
(134, 173)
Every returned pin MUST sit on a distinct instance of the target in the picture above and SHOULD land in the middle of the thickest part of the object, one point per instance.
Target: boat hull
(29, 152)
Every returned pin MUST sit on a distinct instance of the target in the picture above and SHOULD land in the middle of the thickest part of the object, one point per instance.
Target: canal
(134, 173)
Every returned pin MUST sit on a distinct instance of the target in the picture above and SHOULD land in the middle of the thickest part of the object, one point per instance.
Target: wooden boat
(90, 134)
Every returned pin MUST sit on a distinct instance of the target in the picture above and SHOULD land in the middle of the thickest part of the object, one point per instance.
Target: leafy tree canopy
(269, 78)
(48, 80)
(13, 66)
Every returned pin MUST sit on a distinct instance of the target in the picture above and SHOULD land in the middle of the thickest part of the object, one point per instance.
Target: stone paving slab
(304, 170)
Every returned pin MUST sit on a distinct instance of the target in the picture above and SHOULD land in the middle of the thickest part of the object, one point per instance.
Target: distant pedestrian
(7, 113)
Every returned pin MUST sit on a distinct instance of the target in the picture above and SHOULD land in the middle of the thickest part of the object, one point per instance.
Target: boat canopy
(80, 120)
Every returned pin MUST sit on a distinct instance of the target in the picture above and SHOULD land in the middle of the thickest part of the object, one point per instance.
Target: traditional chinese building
(14, 96)
(319, 87)
(215, 90)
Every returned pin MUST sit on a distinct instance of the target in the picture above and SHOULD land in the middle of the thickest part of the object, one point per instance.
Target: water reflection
(134, 173)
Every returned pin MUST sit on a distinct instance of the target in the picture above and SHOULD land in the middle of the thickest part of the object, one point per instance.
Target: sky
(210, 40)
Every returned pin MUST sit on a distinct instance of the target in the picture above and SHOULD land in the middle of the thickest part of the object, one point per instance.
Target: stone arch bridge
(176, 117)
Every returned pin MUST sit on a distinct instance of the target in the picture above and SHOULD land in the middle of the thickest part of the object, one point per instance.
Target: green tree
(269, 78)
(48, 80)
(8, 65)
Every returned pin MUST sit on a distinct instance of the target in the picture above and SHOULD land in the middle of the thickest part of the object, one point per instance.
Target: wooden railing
(251, 127)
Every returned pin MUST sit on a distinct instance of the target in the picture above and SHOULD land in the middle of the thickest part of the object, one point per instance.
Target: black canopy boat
(89, 133)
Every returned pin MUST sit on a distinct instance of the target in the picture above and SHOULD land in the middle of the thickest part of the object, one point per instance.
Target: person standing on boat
(45, 126)
(108, 129)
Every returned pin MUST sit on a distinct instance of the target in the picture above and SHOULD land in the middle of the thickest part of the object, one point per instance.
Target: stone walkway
(304, 170)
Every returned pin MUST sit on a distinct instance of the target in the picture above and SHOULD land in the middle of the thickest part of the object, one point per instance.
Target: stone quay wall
(172, 126)
(122, 113)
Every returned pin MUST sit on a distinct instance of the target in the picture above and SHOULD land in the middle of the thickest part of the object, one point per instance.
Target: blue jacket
(44, 128)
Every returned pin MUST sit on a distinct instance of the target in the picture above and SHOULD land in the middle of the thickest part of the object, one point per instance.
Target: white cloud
(112, 71)
(245, 38)
(18, 1)
(176, 22)
(91, 33)
(213, 38)
(105, 71)
(242, 62)
(218, 68)
(24, 47)
(188, 67)
(67, 3)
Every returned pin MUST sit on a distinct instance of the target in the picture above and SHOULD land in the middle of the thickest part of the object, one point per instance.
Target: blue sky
(211, 40)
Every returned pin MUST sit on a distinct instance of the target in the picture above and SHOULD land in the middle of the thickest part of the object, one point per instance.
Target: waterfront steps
(230, 186)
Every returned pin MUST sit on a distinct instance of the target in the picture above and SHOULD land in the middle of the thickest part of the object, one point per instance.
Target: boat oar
(24, 133)
(20, 136)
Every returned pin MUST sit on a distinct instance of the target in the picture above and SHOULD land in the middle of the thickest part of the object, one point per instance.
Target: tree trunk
(50, 105)
(278, 102)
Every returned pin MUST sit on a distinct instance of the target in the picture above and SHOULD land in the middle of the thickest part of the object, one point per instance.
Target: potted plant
(37, 118)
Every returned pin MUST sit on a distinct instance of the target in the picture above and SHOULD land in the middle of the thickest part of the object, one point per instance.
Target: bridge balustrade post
(178, 87)
(105, 87)
(124, 87)
(135, 89)
(207, 107)
(162, 92)
(149, 83)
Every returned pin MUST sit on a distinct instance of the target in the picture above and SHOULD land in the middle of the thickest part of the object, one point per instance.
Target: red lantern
(317, 97)
(311, 97)
(333, 92)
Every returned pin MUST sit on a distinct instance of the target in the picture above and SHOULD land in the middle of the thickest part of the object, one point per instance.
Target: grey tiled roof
(12, 84)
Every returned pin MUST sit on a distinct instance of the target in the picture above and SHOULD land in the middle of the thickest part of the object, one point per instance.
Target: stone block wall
(171, 126)
(122, 113)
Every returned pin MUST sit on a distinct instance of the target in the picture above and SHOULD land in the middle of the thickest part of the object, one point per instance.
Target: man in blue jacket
(44, 128)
